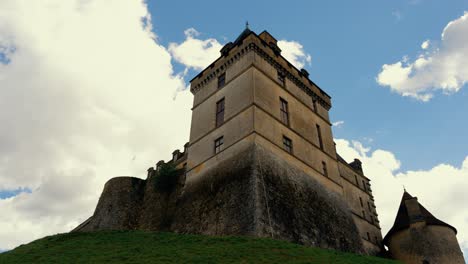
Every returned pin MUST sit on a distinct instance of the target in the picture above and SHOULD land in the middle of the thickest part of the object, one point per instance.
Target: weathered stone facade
(253, 193)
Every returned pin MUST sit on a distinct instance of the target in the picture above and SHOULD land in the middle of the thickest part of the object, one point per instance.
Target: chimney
(175, 155)
(186, 147)
(159, 164)
(356, 165)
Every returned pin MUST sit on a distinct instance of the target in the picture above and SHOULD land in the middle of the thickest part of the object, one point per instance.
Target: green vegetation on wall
(166, 177)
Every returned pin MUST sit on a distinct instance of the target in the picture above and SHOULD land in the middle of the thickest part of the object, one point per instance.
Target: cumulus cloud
(441, 68)
(193, 52)
(86, 93)
(197, 53)
(441, 189)
(294, 52)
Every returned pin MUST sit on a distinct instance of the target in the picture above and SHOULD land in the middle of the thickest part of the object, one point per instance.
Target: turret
(417, 237)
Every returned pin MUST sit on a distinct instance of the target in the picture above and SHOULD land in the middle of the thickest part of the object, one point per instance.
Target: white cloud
(442, 69)
(338, 124)
(294, 52)
(441, 189)
(425, 44)
(195, 53)
(87, 95)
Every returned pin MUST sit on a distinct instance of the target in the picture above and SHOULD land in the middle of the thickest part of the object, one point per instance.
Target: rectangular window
(287, 144)
(364, 214)
(364, 185)
(368, 205)
(221, 80)
(284, 111)
(281, 78)
(218, 145)
(357, 183)
(324, 167)
(319, 134)
(368, 236)
(371, 219)
(220, 112)
(360, 200)
(314, 104)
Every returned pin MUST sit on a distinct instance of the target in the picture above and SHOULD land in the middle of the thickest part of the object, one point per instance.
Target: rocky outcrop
(253, 193)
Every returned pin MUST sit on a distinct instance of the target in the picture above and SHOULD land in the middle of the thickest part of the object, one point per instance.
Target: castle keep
(252, 95)
(260, 161)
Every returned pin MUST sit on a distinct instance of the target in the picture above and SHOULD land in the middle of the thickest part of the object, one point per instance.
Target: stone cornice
(221, 68)
(272, 61)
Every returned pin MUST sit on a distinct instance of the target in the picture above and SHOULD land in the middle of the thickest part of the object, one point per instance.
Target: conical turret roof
(402, 220)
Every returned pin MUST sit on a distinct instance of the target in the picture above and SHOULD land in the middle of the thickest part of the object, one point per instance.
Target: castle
(261, 161)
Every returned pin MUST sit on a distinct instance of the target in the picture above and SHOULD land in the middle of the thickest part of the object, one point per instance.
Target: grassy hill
(153, 247)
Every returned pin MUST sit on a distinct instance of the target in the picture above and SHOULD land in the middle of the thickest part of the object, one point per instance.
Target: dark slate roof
(402, 220)
(242, 35)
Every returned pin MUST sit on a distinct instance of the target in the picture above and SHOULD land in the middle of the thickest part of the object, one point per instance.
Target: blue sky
(89, 92)
(349, 41)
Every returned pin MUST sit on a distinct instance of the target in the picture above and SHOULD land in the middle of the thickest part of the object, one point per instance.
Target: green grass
(154, 247)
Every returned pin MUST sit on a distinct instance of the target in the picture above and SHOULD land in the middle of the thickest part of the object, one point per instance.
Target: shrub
(166, 177)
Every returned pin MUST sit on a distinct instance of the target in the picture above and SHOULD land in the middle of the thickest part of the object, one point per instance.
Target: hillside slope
(154, 247)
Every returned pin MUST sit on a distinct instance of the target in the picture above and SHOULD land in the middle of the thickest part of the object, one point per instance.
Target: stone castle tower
(417, 237)
(260, 161)
(251, 95)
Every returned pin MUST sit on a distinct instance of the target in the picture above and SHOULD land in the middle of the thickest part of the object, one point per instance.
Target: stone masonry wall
(253, 193)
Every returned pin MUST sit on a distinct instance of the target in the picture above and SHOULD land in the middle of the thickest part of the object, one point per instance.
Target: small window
(368, 236)
(221, 80)
(324, 168)
(371, 219)
(368, 205)
(281, 78)
(218, 145)
(319, 134)
(364, 214)
(220, 112)
(287, 144)
(284, 111)
(360, 200)
(357, 183)
(364, 185)
(314, 104)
